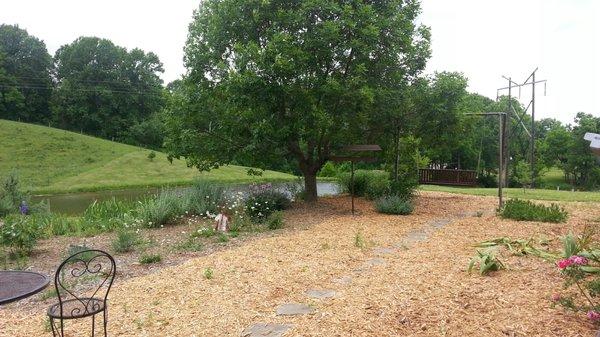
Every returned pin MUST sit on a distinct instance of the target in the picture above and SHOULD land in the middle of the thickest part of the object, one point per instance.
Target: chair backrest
(84, 276)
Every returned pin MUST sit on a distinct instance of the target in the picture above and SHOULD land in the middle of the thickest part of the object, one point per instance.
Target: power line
(149, 93)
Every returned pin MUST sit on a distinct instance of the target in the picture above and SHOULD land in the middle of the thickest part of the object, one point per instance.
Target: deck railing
(448, 177)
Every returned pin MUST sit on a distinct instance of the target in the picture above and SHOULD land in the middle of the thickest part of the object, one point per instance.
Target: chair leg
(52, 326)
(93, 324)
(105, 312)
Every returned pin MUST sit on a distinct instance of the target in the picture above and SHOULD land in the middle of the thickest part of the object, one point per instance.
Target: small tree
(523, 174)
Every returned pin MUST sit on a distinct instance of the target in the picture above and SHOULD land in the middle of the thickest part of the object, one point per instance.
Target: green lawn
(539, 194)
(51, 161)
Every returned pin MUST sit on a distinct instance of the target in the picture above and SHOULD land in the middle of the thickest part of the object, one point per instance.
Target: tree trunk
(310, 186)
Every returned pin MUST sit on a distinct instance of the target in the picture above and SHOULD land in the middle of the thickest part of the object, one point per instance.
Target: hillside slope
(50, 160)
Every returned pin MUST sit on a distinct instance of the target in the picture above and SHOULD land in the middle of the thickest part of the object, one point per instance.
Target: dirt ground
(392, 276)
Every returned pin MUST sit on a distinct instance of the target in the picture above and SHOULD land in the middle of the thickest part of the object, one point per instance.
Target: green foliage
(264, 200)
(19, 233)
(368, 183)
(130, 89)
(394, 204)
(359, 240)
(519, 247)
(151, 155)
(202, 197)
(525, 210)
(150, 258)
(487, 261)
(275, 220)
(297, 91)
(222, 238)
(160, 210)
(106, 216)
(24, 64)
(191, 244)
(523, 173)
(328, 170)
(208, 273)
(125, 241)
(11, 194)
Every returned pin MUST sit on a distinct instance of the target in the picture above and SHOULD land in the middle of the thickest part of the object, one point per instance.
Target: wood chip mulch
(422, 289)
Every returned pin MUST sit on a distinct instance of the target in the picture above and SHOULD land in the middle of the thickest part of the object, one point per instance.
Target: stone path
(293, 309)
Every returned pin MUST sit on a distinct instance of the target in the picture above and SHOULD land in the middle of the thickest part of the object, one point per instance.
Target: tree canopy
(297, 80)
(25, 83)
(102, 89)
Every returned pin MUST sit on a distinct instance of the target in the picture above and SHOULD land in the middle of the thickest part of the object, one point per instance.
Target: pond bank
(76, 203)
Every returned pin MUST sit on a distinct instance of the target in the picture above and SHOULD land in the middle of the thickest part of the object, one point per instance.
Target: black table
(17, 285)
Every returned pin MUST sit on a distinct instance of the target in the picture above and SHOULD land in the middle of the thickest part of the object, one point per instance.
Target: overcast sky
(484, 39)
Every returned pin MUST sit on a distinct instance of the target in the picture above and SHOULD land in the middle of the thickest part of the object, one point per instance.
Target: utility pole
(512, 113)
(501, 157)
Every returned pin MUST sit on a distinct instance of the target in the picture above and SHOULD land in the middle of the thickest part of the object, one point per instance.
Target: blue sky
(484, 39)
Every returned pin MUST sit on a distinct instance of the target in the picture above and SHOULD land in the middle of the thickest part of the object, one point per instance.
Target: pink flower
(578, 260)
(556, 297)
(562, 264)
(593, 315)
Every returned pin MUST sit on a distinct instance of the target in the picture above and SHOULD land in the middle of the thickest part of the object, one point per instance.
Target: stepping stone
(320, 294)
(416, 236)
(266, 330)
(439, 223)
(292, 309)
(376, 261)
(343, 280)
(383, 251)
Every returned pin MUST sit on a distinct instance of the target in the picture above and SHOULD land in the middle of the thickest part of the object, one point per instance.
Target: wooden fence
(448, 177)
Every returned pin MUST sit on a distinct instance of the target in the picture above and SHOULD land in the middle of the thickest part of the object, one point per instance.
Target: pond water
(76, 203)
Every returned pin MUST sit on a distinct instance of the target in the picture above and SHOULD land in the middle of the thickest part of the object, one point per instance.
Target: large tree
(103, 89)
(25, 83)
(277, 79)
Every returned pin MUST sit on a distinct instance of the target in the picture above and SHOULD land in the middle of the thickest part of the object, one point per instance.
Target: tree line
(286, 86)
(90, 86)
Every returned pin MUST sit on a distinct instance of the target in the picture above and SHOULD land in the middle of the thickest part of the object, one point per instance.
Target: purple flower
(24, 209)
(578, 260)
(593, 315)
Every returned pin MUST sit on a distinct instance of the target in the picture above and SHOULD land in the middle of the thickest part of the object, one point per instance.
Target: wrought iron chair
(83, 268)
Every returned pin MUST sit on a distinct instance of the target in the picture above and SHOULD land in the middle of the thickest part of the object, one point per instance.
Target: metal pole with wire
(501, 154)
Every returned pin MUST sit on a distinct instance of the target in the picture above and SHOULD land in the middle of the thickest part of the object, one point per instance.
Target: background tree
(102, 89)
(25, 83)
(296, 80)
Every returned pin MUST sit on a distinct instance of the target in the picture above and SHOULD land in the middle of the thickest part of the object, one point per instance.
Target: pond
(76, 203)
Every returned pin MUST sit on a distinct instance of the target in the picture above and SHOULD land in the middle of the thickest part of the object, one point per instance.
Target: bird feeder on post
(594, 140)
(353, 159)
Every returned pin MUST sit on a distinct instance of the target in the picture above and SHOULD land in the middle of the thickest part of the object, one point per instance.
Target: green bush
(525, 210)
(275, 220)
(263, 200)
(150, 258)
(11, 194)
(125, 241)
(393, 204)
(158, 211)
(20, 233)
(203, 197)
(106, 216)
(369, 183)
(404, 187)
(328, 170)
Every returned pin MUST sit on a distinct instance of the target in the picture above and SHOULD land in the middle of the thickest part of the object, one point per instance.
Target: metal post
(533, 130)
(352, 185)
(506, 136)
(501, 132)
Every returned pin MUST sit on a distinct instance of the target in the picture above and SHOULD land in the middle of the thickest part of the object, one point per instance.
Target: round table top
(16, 285)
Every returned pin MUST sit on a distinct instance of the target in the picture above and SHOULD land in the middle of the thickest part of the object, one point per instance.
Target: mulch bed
(421, 289)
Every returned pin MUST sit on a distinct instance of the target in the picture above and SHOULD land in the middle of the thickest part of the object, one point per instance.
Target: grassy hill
(50, 160)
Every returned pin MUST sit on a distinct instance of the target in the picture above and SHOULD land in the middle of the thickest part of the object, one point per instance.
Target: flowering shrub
(19, 234)
(264, 200)
(580, 267)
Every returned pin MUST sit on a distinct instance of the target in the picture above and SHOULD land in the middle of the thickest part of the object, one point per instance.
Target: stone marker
(375, 262)
(291, 309)
(266, 330)
(320, 294)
